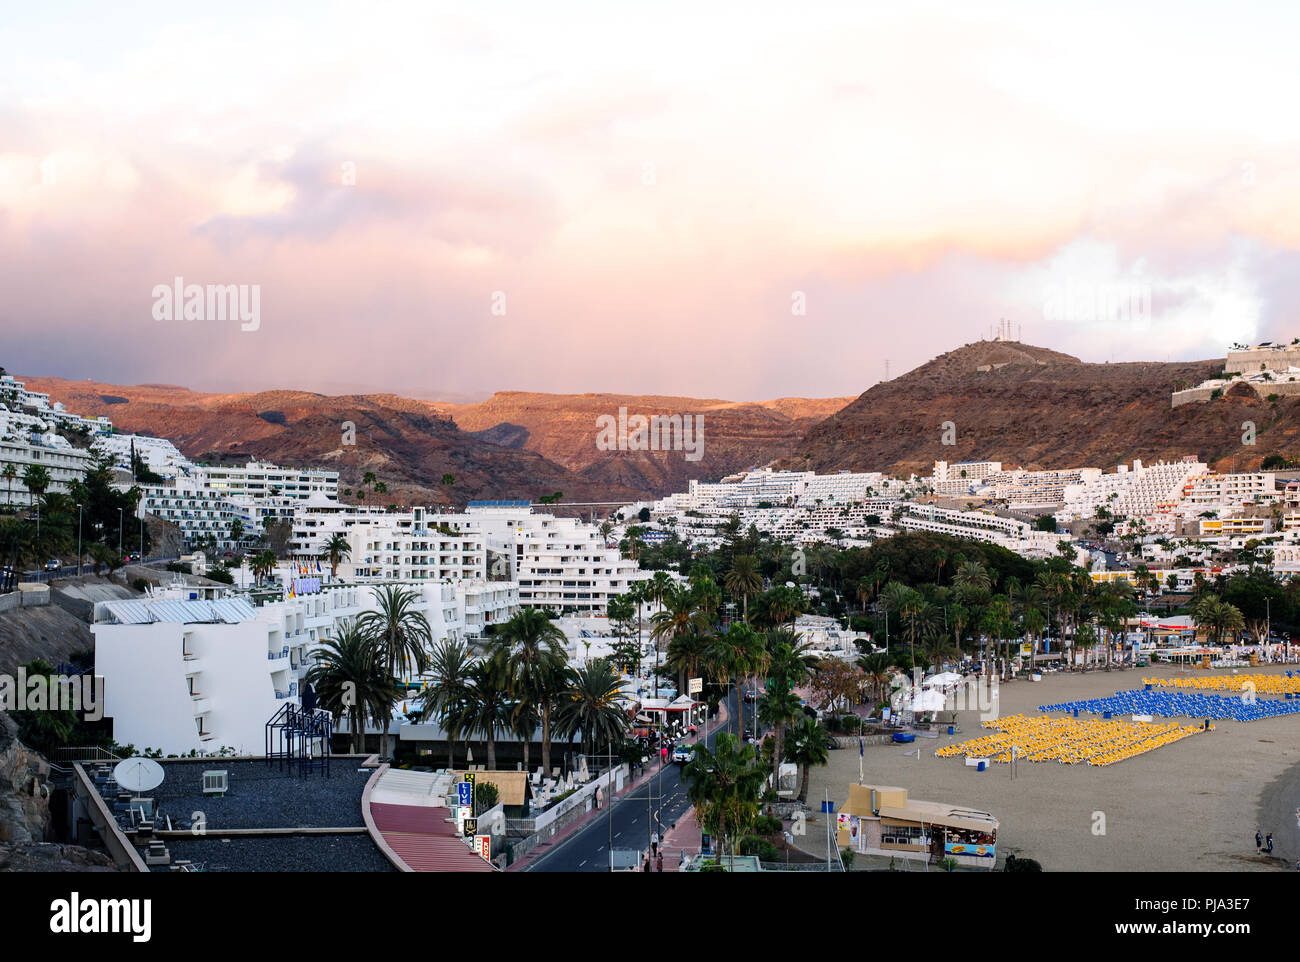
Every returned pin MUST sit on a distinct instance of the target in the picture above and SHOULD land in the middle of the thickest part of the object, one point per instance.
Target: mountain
(564, 428)
(1037, 408)
(512, 445)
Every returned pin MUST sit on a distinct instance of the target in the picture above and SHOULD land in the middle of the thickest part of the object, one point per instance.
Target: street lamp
(120, 521)
(78, 541)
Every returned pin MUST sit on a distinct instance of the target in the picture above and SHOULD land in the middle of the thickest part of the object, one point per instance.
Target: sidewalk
(649, 771)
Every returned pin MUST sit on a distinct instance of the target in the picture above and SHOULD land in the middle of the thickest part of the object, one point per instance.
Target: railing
(84, 753)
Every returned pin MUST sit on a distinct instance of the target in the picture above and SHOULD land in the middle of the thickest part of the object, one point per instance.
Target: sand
(1186, 807)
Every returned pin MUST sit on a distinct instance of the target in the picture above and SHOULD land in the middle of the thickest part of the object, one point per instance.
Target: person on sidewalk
(659, 863)
(654, 843)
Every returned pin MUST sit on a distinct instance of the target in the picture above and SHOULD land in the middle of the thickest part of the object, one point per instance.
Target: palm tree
(368, 479)
(448, 479)
(449, 664)
(877, 669)
(336, 549)
(726, 787)
(488, 702)
(971, 578)
(9, 473)
(262, 564)
(778, 708)
(743, 579)
(593, 706)
(535, 652)
(349, 681)
(807, 744)
(400, 634)
(37, 480)
(686, 654)
(737, 654)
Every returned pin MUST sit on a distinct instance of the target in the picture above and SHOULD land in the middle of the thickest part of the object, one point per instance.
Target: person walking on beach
(1268, 843)
(1259, 841)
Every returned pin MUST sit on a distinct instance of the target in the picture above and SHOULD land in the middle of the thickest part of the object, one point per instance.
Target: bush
(846, 857)
(140, 585)
(765, 850)
(486, 795)
(767, 825)
(850, 723)
(1021, 865)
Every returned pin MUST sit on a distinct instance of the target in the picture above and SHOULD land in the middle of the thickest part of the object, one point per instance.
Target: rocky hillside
(514, 445)
(1037, 408)
(563, 429)
(408, 444)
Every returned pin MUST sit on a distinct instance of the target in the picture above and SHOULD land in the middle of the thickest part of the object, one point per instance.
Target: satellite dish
(139, 774)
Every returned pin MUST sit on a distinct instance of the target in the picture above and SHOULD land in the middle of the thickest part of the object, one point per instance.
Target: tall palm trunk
(491, 748)
(546, 738)
(451, 753)
(803, 785)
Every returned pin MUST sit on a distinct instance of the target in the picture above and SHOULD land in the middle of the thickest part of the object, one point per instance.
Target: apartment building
(1010, 533)
(37, 409)
(261, 479)
(559, 563)
(158, 454)
(1228, 492)
(962, 477)
(1139, 491)
(62, 462)
(186, 674)
(1029, 490)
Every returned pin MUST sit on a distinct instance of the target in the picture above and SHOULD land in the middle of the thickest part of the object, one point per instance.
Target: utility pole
(78, 541)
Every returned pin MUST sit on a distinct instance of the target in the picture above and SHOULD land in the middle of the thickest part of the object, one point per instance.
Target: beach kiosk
(882, 820)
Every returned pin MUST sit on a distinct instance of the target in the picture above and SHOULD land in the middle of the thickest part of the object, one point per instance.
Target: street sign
(471, 827)
(465, 793)
(483, 846)
(695, 686)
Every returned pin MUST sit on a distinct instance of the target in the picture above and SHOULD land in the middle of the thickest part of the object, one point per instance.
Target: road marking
(618, 834)
(582, 863)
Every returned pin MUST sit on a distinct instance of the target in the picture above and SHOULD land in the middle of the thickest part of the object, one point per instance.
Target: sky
(743, 201)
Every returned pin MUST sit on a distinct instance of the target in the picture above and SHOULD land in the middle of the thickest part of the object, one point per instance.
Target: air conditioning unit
(215, 783)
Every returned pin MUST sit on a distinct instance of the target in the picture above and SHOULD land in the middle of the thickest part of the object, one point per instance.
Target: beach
(1191, 806)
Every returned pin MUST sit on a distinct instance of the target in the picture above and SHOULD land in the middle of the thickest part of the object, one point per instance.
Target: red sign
(483, 845)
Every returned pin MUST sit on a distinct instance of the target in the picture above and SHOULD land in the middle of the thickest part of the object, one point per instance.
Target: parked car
(683, 754)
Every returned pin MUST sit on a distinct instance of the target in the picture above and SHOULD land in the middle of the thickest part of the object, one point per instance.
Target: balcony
(201, 706)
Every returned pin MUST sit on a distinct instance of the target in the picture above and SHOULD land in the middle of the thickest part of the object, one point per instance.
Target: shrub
(765, 850)
(851, 723)
(1216, 393)
(140, 585)
(767, 825)
(486, 795)
(846, 857)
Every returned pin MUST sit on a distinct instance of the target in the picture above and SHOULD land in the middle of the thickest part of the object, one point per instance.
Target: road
(652, 806)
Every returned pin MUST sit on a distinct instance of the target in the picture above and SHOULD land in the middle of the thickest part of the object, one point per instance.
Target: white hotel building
(183, 674)
(1010, 533)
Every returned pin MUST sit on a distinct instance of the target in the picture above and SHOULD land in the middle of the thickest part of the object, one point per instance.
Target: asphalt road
(628, 823)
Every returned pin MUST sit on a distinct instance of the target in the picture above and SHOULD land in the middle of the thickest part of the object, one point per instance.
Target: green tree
(444, 701)
(336, 549)
(807, 744)
(400, 635)
(348, 680)
(534, 649)
(725, 786)
(593, 705)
